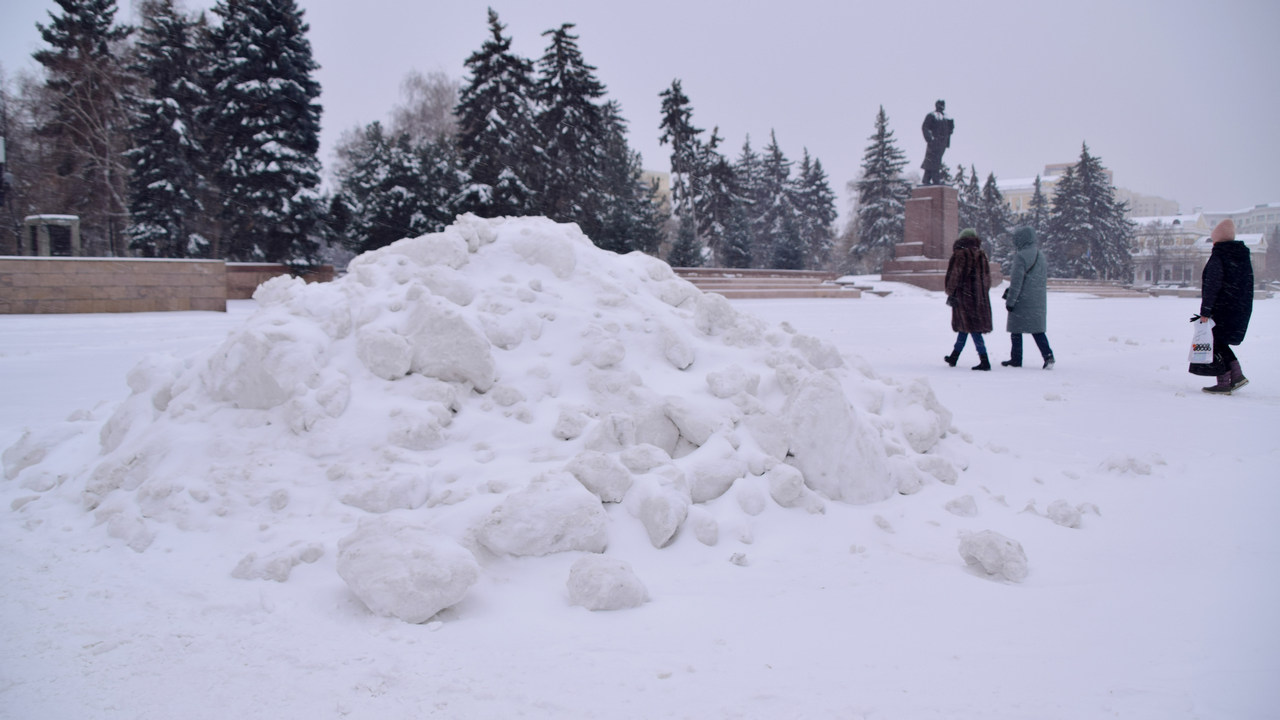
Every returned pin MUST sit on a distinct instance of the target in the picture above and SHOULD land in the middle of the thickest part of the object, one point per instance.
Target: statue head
(940, 106)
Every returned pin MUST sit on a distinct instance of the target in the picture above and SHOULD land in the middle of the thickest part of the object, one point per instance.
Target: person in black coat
(1226, 297)
(968, 285)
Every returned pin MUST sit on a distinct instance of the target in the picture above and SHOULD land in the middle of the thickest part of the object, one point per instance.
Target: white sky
(1174, 96)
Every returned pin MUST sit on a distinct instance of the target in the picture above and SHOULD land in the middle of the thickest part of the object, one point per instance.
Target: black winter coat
(1226, 290)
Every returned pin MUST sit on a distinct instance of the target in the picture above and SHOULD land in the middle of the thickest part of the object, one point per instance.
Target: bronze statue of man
(937, 129)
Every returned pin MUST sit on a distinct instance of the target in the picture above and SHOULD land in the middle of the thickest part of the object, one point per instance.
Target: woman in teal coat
(1027, 298)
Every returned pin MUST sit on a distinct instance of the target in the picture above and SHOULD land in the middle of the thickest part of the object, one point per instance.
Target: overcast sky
(1179, 98)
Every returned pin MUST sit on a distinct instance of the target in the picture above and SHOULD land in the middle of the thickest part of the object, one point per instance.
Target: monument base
(930, 229)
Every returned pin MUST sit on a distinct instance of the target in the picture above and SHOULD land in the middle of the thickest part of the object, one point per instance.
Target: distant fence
(37, 285)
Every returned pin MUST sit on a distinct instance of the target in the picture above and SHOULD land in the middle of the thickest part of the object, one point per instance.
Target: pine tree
(995, 223)
(816, 208)
(630, 218)
(779, 240)
(165, 208)
(1037, 215)
(686, 251)
(88, 123)
(499, 143)
(383, 192)
(573, 129)
(882, 197)
(1088, 232)
(969, 209)
(748, 218)
(716, 195)
(679, 132)
(266, 124)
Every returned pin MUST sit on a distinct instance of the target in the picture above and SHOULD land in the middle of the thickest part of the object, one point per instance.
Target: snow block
(598, 582)
(401, 570)
(995, 555)
(554, 513)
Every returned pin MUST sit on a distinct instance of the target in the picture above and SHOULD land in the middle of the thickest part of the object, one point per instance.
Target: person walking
(1027, 298)
(1226, 297)
(968, 285)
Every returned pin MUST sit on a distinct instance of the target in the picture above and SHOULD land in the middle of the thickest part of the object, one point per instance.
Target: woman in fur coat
(1226, 297)
(968, 286)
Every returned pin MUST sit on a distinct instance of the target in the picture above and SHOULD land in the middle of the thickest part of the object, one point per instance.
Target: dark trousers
(1015, 349)
(977, 342)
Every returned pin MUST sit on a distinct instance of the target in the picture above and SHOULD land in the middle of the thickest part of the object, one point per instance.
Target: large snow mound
(498, 386)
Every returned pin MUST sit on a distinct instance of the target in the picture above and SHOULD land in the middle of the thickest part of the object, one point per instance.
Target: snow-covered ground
(204, 538)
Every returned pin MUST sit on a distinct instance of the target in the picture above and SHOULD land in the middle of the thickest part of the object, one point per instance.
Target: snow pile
(491, 390)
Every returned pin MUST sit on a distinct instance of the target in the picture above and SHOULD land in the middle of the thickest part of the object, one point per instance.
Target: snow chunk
(1064, 514)
(554, 513)
(994, 554)
(604, 475)
(599, 582)
(401, 570)
(833, 446)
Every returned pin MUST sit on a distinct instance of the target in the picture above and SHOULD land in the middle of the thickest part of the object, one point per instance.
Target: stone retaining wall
(32, 285)
(35, 285)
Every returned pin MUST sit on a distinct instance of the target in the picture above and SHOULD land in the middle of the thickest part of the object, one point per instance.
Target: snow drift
(487, 391)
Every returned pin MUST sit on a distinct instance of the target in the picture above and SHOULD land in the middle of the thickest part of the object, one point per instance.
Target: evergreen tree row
(752, 212)
(178, 138)
(525, 138)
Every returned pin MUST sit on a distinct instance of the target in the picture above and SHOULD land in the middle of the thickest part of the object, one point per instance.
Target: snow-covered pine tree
(1089, 234)
(679, 132)
(630, 220)
(572, 125)
(717, 196)
(969, 208)
(499, 145)
(882, 197)
(816, 207)
(383, 191)
(686, 251)
(748, 221)
(1037, 214)
(995, 225)
(779, 243)
(168, 179)
(87, 126)
(264, 121)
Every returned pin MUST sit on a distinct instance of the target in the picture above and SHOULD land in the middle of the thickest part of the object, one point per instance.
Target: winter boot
(984, 365)
(1012, 363)
(1048, 362)
(1223, 387)
(1238, 380)
(952, 358)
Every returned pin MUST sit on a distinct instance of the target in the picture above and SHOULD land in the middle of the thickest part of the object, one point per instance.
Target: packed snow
(497, 472)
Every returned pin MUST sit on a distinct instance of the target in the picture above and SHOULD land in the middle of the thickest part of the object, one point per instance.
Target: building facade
(1171, 251)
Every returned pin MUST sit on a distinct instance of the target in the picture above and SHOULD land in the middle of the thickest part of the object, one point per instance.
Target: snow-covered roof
(1184, 220)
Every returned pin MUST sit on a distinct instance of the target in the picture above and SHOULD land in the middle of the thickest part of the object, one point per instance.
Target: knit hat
(1225, 230)
(968, 233)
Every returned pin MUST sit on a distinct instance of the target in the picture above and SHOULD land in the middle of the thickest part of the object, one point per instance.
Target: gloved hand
(1195, 318)
(1009, 307)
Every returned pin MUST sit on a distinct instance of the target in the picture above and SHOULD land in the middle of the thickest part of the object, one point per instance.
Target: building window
(1148, 275)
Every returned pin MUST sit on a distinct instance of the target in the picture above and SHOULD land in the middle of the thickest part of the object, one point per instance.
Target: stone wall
(32, 285)
(244, 278)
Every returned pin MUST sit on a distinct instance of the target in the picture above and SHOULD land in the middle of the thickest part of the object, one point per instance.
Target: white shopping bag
(1201, 343)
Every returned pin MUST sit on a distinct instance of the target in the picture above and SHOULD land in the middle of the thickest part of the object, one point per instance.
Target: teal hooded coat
(1027, 301)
